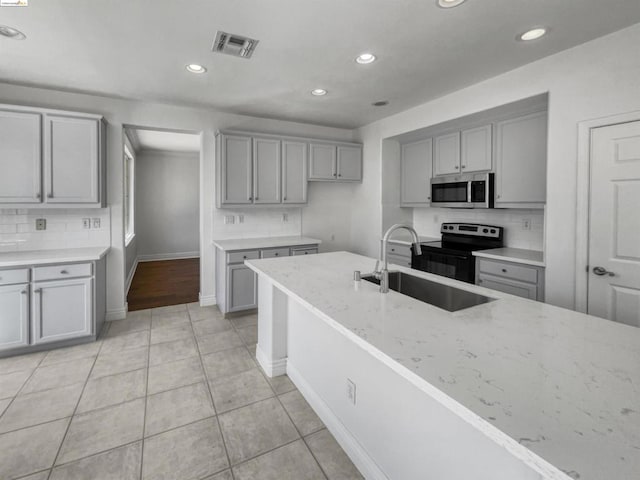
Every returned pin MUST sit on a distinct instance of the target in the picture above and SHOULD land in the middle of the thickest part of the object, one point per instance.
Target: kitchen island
(510, 389)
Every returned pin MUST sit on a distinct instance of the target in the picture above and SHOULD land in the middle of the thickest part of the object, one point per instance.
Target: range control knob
(485, 230)
(493, 231)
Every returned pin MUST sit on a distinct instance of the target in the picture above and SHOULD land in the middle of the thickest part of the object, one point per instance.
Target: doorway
(162, 217)
(613, 258)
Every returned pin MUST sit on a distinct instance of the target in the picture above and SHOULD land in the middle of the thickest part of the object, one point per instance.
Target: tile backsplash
(427, 222)
(64, 229)
(257, 222)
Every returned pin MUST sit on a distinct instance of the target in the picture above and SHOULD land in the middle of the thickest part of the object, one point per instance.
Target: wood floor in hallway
(163, 283)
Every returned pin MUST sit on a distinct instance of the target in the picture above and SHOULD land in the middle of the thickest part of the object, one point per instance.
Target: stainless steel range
(453, 256)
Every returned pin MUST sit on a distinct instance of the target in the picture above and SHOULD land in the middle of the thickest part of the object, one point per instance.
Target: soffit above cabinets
(139, 50)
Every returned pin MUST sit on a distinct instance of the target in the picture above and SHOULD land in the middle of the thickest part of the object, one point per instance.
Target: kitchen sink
(442, 296)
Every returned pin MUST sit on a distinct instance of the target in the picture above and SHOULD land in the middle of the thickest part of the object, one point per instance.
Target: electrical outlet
(240, 218)
(41, 223)
(351, 391)
(285, 217)
(526, 224)
(86, 223)
(96, 223)
(229, 219)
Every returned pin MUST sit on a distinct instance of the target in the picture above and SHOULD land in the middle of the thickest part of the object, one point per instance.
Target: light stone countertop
(43, 257)
(558, 389)
(515, 255)
(264, 242)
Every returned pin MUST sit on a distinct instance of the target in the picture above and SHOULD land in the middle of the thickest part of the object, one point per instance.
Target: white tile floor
(169, 393)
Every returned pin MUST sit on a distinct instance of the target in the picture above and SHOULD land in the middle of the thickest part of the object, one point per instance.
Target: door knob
(600, 271)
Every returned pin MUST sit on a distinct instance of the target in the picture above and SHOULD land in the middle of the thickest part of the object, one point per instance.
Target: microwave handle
(469, 192)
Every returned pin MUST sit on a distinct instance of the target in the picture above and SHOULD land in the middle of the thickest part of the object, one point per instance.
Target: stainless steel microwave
(463, 191)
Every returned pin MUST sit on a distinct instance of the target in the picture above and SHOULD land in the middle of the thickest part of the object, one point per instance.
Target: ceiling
(143, 139)
(138, 49)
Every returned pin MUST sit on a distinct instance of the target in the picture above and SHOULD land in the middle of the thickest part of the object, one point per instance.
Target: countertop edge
(506, 258)
(98, 253)
(270, 242)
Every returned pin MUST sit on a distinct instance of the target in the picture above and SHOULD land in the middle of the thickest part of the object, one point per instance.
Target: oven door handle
(448, 256)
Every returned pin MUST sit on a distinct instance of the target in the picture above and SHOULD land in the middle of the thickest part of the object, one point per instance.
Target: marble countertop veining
(43, 257)
(557, 388)
(264, 242)
(515, 255)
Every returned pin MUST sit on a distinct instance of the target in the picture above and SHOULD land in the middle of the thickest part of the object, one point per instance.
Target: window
(129, 164)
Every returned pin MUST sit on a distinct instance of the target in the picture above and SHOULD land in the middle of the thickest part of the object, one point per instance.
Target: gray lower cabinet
(242, 283)
(58, 304)
(399, 254)
(526, 281)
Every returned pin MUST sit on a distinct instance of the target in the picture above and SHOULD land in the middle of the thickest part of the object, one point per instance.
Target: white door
(447, 154)
(322, 162)
(476, 148)
(350, 163)
(415, 171)
(20, 157)
(62, 309)
(266, 170)
(294, 172)
(236, 170)
(614, 223)
(72, 159)
(14, 316)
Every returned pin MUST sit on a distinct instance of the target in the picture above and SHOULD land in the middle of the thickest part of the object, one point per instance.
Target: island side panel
(271, 350)
(394, 430)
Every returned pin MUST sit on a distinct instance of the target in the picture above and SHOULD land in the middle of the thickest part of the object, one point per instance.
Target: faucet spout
(384, 273)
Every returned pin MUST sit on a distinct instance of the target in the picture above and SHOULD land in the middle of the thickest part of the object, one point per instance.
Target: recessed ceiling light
(532, 34)
(449, 3)
(195, 68)
(365, 58)
(318, 92)
(380, 103)
(12, 33)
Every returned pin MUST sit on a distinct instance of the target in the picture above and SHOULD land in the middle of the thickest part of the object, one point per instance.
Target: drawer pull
(504, 270)
(64, 272)
(285, 199)
(306, 253)
(244, 257)
(37, 290)
(277, 254)
(23, 292)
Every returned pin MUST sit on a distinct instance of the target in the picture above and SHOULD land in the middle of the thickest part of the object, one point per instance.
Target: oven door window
(459, 267)
(479, 191)
(454, 192)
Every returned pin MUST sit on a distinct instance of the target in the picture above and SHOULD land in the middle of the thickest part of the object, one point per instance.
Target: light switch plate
(96, 223)
(41, 223)
(86, 223)
(229, 219)
(240, 218)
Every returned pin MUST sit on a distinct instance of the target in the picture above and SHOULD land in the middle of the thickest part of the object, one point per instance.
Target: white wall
(119, 112)
(167, 216)
(593, 80)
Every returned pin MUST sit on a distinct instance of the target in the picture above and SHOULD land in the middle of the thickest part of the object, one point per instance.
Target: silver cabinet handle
(457, 167)
(37, 290)
(23, 292)
(600, 271)
(277, 254)
(339, 174)
(504, 270)
(38, 195)
(464, 166)
(64, 272)
(256, 198)
(285, 199)
(250, 198)
(50, 195)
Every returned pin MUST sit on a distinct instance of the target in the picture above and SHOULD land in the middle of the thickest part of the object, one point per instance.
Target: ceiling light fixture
(532, 34)
(195, 68)
(365, 58)
(449, 3)
(318, 92)
(11, 33)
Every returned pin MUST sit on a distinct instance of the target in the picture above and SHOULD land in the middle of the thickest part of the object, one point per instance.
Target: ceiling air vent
(235, 45)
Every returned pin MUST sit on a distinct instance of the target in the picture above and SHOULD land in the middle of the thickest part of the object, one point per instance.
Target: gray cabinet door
(242, 288)
(415, 170)
(72, 156)
(349, 163)
(266, 170)
(521, 160)
(447, 154)
(476, 149)
(20, 157)
(294, 172)
(62, 309)
(236, 166)
(14, 316)
(322, 162)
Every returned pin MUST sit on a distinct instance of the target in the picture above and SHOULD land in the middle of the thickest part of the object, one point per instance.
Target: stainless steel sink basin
(442, 296)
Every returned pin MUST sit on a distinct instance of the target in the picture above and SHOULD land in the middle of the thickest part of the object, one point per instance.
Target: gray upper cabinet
(476, 149)
(51, 158)
(266, 170)
(415, 179)
(72, 160)
(322, 162)
(20, 157)
(521, 161)
(349, 163)
(236, 163)
(446, 159)
(294, 172)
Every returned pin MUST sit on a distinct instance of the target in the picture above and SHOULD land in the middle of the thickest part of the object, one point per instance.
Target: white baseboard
(167, 256)
(130, 276)
(358, 455)
(206, 300)
(119, 314)
(271, 368)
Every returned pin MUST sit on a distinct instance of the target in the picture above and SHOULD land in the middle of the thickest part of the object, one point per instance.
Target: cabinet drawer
(399, 250)
(399, 260)
(10, 277)
(519, 289)
(274, 252)
(57, 272)
(304, 251)
(240, 257)
(517, 272)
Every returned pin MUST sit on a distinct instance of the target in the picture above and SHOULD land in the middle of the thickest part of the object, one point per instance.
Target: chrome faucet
(383, 275)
